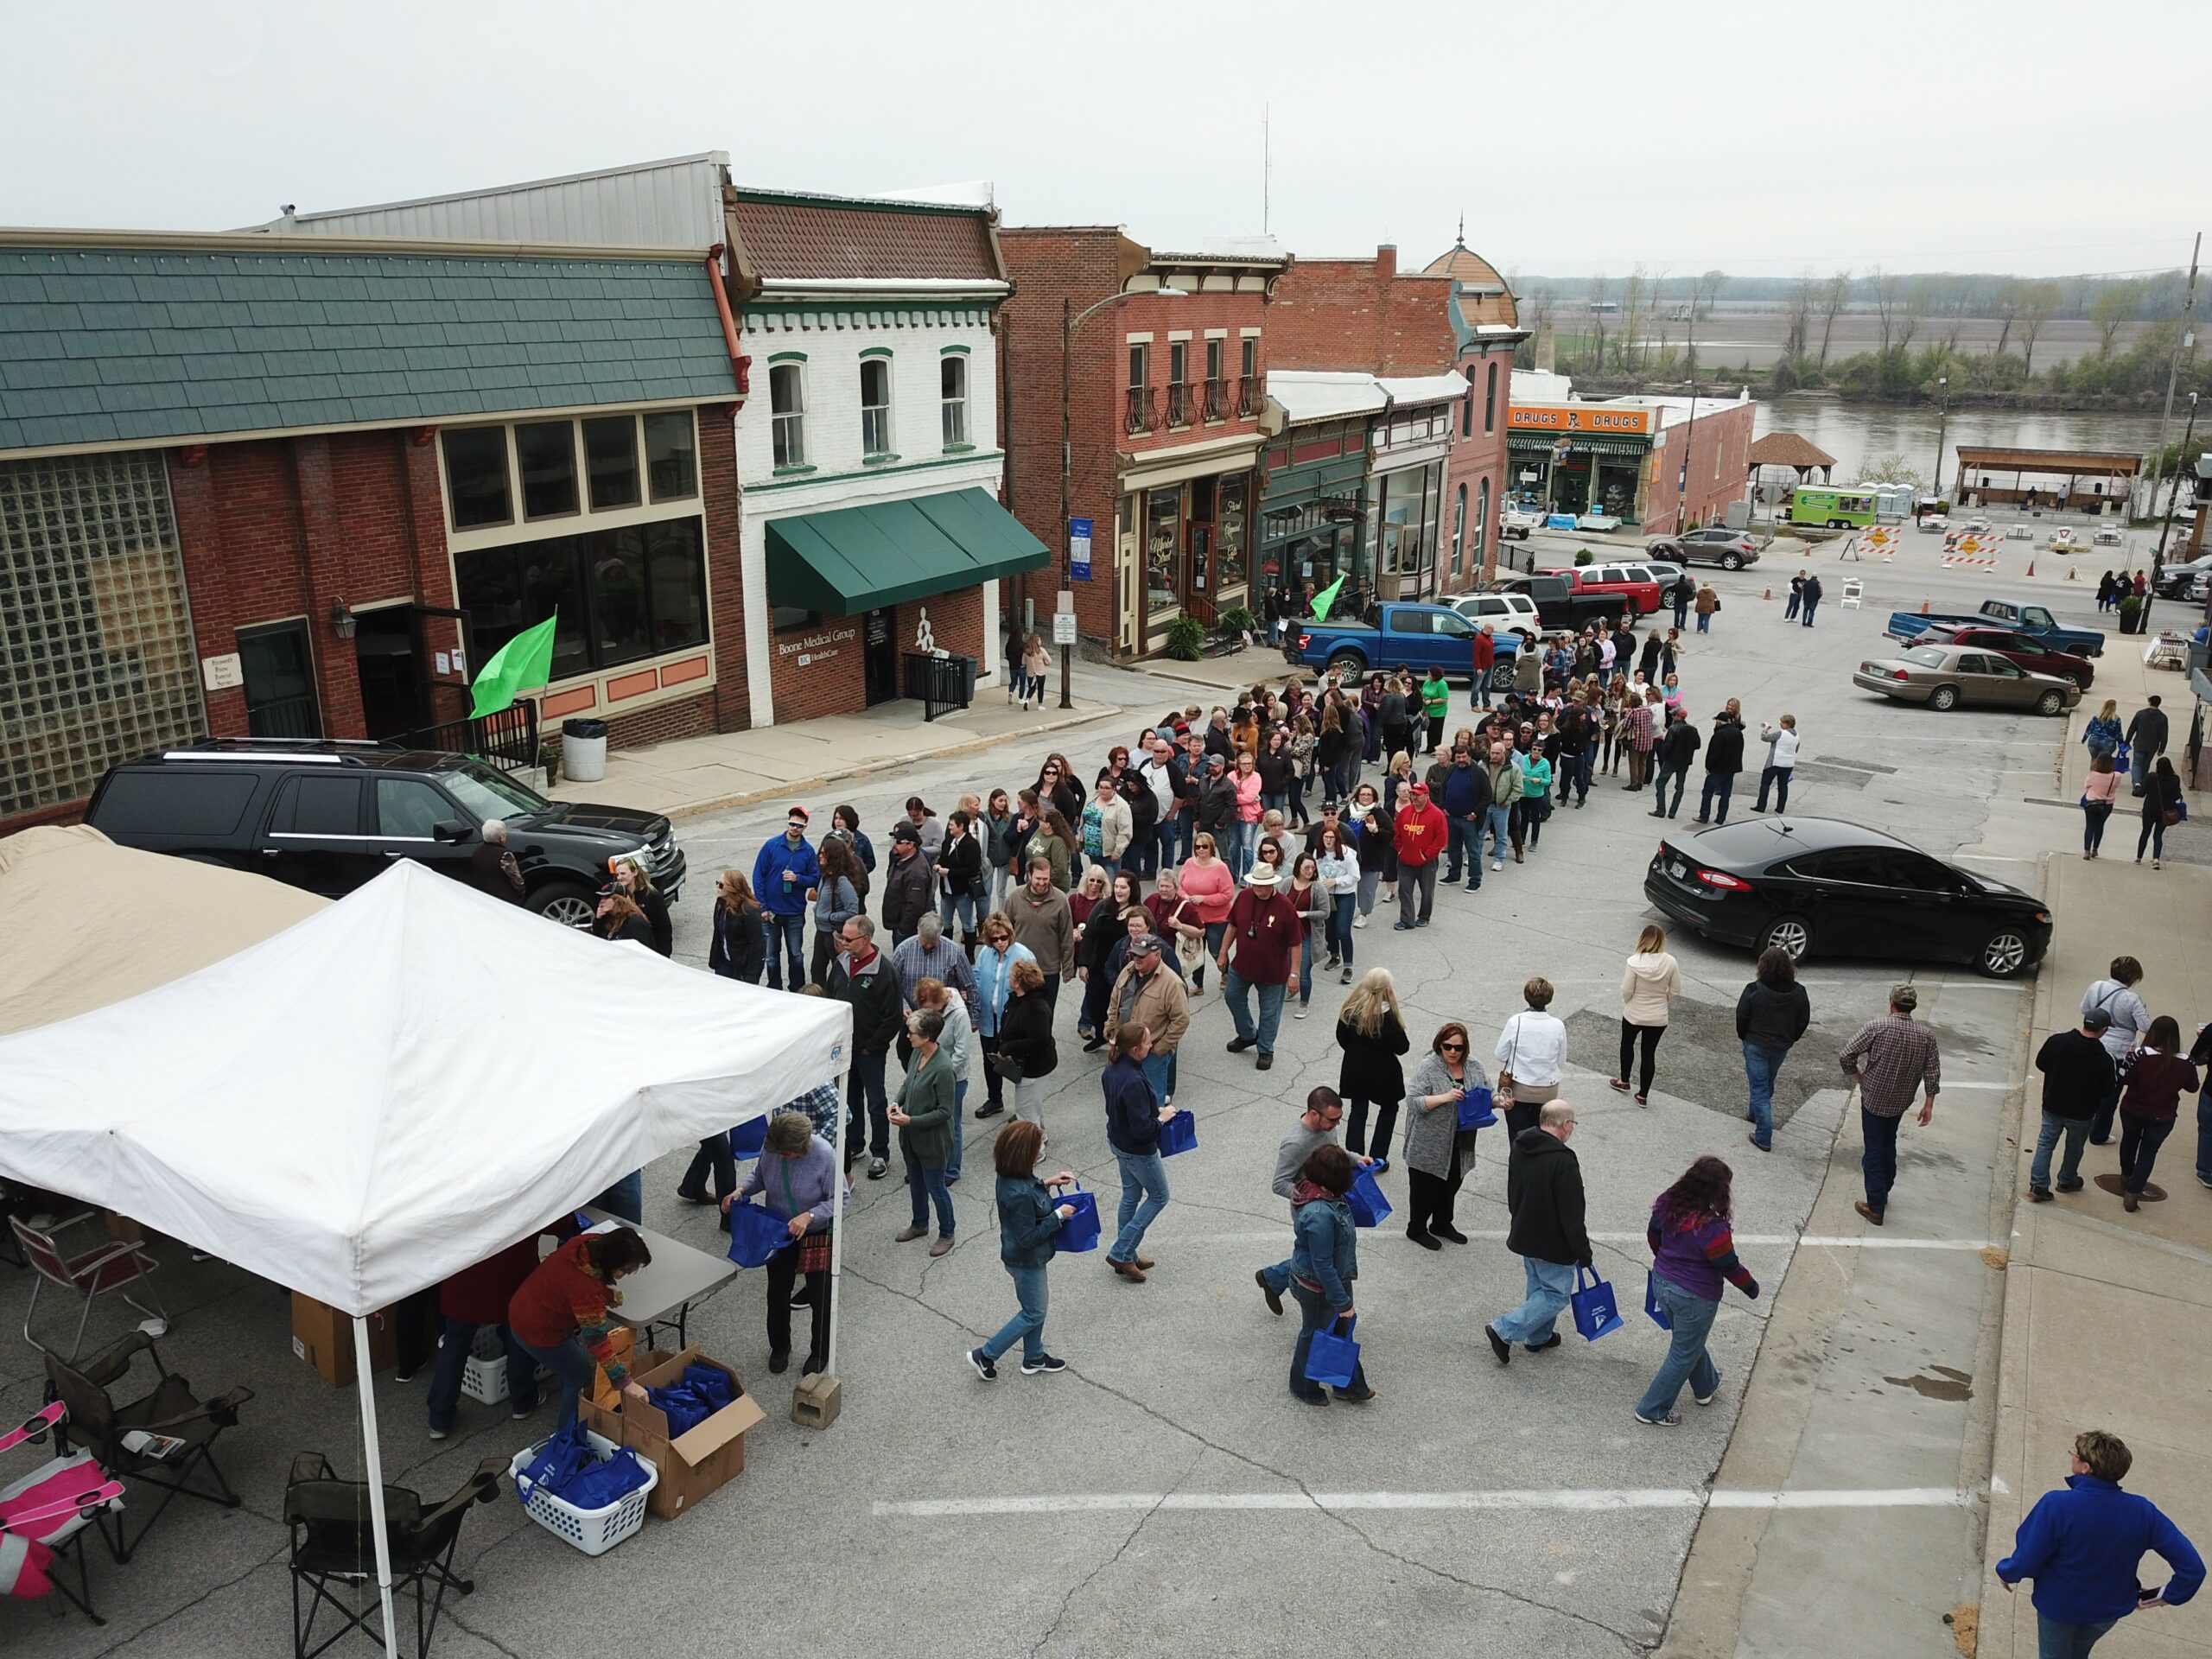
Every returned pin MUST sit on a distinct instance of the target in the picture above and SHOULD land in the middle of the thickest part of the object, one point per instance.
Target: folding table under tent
(394, 1089)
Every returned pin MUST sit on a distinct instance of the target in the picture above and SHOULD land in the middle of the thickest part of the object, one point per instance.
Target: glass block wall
(96, 658)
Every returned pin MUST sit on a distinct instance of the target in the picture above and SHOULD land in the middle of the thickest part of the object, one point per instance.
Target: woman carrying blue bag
(1029, 1227)
(796, 1176)
(1692, 1251)
(1323, 1264)
(1133, 1115)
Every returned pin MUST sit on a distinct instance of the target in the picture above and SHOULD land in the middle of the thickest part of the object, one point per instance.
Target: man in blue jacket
(785, 877)
(1466, 808)
(2082, 1547)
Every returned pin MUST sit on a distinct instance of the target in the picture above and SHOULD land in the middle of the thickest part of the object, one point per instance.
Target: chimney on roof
(1386, 260)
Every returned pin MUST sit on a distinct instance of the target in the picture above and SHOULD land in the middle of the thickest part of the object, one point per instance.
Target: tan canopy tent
(85, 923)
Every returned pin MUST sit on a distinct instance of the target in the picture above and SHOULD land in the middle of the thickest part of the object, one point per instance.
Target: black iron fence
(941, 683)
(507, 739)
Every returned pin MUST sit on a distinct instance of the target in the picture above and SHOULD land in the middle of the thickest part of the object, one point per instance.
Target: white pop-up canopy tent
(394, 1089)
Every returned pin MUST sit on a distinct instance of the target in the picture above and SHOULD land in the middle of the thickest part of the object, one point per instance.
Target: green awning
(1577, 443)
(857, 559)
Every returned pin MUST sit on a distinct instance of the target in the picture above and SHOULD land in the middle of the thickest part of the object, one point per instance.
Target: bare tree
(1631, 301)
(1912, 305)
(1600, 286)
(1888, 300)
(2113, 309)
(2039, 303)
(2006, 308)
(1839, 292)
(1801, 317)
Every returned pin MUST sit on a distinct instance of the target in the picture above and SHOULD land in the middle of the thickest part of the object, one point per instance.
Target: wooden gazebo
(1800, 454)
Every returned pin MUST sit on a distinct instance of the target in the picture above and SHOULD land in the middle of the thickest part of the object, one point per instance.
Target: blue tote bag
(1332, 1359)
(754, 1234)
(1658, 1314)
(1178, 1133)
(1595, 1312)
(1079, 1232)
(1476, 1110)
(1369, 1207)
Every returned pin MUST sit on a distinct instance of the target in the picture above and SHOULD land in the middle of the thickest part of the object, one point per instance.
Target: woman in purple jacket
(1692, 1251)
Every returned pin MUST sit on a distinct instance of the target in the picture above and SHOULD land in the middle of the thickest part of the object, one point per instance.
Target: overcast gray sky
(1919, 134)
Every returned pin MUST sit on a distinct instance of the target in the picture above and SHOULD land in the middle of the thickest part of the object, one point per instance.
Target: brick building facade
(1165, 379)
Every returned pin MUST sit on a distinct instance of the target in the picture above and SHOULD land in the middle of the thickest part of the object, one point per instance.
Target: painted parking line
(1580, 1500)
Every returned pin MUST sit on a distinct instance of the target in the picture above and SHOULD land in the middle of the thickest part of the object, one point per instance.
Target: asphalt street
(1166, 1495)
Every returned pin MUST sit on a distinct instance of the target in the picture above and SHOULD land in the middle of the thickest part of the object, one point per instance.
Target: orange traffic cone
(1923, 607)
(2069, 572)
(1768, 595)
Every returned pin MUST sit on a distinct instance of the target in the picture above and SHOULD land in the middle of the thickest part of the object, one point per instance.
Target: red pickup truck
(1632, 582)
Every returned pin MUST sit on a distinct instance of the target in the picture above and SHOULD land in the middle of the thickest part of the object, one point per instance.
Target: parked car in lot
(1631, 582)
(1732, 550)
(1514, 614)
(1518, 522)
(1944, 677)
(2175, 581)
(330, 816)
(2019, 648)
(1807, 886)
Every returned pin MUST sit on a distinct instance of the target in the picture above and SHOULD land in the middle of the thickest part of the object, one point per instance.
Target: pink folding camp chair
(43, 1513)
(110, 1266)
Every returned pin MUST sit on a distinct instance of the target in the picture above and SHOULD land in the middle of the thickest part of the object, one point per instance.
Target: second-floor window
(787, 400)
(1489, 402)
(1139, 417)
(1216, 403)
(952, 377)
(1179, 375)
(875, 406)
(1248, 388)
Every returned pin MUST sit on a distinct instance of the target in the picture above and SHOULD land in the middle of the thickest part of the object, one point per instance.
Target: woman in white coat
(1650, 983)
(1531, 1056)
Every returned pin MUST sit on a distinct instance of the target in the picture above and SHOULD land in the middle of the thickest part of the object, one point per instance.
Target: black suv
(328, 816)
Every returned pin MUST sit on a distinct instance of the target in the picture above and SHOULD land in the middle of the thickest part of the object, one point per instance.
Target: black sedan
(1807, 885)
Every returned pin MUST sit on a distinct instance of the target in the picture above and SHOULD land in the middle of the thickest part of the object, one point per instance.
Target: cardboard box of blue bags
(692, 1464)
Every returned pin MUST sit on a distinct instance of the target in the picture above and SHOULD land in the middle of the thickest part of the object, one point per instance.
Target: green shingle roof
(107, 346)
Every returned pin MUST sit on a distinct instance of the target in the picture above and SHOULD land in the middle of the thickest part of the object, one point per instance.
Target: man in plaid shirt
(1887, 1060)
(1636, 737)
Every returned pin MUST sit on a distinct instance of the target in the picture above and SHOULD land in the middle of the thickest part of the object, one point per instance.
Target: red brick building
(1165, 378)
(304, 489)
(1366, 316)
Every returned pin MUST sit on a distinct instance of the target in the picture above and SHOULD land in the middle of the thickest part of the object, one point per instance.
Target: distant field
(1755, 337)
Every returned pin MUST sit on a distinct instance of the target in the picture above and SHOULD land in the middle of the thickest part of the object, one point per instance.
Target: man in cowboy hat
(1260, 950)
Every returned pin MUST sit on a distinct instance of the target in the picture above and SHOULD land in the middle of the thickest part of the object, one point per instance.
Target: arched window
(1467, 412)
(1481, 537)
(1490, 403)
(1459, 524)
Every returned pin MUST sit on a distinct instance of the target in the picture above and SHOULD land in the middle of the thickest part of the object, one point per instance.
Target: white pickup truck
(1519, 521)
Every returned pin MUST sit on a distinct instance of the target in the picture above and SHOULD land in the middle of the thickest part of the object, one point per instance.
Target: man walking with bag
(1543, 1191)
(1888, 1059)
(1315, 1127)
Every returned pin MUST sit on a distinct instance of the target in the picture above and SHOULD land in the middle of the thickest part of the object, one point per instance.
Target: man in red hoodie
(1420, 839)
(1485, 649)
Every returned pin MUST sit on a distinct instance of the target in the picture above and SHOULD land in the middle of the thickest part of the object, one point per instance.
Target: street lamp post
(1072, 320)
(1943, 421)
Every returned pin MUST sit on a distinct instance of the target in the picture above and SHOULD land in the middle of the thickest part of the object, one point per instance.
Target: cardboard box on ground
(694, 1463)
(324, 1337)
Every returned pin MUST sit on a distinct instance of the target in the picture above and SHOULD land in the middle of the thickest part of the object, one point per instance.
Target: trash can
(965, 678)
(583, 750)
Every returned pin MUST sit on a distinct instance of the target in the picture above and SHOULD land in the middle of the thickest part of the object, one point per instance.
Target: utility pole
(2173, 369)
(1943, 421)
(2173, 493)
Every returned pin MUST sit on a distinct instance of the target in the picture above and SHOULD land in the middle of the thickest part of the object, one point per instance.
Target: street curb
(753, 797)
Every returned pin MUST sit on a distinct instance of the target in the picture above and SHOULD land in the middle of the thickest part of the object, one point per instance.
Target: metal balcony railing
(1217, 400)
(1251, 391)
(1140, 415)
(1179, 404)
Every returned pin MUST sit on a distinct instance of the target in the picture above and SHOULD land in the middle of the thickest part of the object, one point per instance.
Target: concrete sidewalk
(2105, 1313)
(692, 775)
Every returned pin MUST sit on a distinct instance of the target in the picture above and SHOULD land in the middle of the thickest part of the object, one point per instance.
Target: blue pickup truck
(2034, 620)
(1420, 637)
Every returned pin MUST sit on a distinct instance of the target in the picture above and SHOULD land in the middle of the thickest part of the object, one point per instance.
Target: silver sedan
(1944, 676)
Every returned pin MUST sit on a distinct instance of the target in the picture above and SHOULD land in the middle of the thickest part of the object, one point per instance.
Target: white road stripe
(1580, 1500)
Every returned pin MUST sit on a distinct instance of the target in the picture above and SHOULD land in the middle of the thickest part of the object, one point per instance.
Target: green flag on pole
(525, 661)
(1325, 598)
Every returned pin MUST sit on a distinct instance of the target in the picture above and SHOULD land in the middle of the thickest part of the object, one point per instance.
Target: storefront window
(671, 455)
(476, 475)
(1236, 494)
(620, 594)
(545, 451)
(1163, 536)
